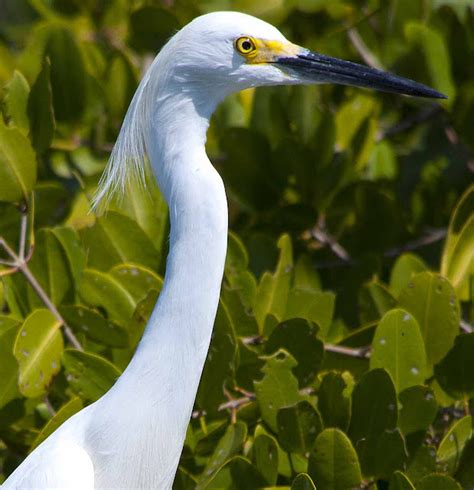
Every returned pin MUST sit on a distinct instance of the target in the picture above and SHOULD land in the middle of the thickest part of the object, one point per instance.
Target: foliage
(352, 236)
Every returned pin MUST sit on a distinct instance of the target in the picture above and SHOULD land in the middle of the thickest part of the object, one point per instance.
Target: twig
(22, 266)
(466, 327)
(432, 236)
(424, 115)
(320, 233)
(49, 406)
(236, 403)
(359, 352)
(364, 52)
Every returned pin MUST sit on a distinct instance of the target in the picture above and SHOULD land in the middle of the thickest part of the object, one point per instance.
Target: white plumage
(133, 436)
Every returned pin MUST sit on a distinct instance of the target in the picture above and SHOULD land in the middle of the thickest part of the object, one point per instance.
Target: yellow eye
(245, 46)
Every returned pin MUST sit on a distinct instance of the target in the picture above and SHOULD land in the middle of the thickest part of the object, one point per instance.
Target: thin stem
(359, 352)
(22, 266)
(364, 52)
(23, 230)
(49, 406)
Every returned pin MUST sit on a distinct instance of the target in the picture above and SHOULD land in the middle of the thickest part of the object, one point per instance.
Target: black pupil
(246, 45)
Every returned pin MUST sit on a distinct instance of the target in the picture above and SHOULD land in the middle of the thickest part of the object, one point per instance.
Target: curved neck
(165, 371)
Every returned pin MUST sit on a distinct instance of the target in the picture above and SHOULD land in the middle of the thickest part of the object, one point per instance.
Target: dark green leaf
(418, 409)
(88, 374)
(298, 427)
(438, 482)
(452, 445)
(303, 482)
(334, 401)
(40, 110)
(399, 481)
(454, 372)
(333, 463)
(265, 455)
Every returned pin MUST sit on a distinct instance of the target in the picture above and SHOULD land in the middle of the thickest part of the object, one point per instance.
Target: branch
(364, 52)
(20, 264)
(359, 352)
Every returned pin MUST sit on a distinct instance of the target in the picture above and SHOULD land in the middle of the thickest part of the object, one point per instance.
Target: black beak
(318, 68)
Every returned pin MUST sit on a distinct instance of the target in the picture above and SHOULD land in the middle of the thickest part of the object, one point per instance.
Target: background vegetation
(343, 349)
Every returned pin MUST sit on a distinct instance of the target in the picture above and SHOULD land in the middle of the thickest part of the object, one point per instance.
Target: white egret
(132, 437)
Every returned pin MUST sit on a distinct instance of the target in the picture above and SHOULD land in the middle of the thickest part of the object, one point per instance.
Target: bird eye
(245, 45)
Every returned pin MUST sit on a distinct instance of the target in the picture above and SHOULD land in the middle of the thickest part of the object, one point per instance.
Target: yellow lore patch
(263, 50)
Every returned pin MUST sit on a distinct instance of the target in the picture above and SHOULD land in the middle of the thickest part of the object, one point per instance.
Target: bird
(132, 437)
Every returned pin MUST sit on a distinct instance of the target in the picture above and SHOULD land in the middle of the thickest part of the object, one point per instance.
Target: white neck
(161, 381)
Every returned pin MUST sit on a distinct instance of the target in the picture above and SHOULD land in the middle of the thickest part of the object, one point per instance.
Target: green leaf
(418, 409)
(265, 455)
(453, 443)
(436, 56)
(374, 406)
(68, 75)
(305, 274)
(136, 279)
(51, 268)
(303, 482)
(8, 363)
(405, 267)
(298, 427)
(237, 474)
(272, 293)
(229, 445)
(374, 301)
(314, 306)
(99, 289)
(40, 110)
(430, 298)
(334, 402)
(38, 348)
(454, 372)
(438, 482)
(399, 481)
(72, 249)
(457, 261)
(422, 462)
(65, 412)
(89, 375)
(465, 473)
(115, 238)
(333, 462)
(17, 164)
(16, 100)
(398, 347)
(381, 455)
(298, 337)
(94, 326)
(278, 388)
(220, 363)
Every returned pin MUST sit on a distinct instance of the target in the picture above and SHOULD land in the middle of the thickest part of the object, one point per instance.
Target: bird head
(230, 51)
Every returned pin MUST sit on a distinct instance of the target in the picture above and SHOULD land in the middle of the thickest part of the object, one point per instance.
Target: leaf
(303, 482)
(453, 443)
(236, 474)
(94, 326)
(8, 364)
(399, 481)
(68, 75)
(314, 306)
(438, 482)
(418, 409)
(40, 110)
(88, 374)
(50, 266)
(65, 412)
(17, 165)
(16, 100)
(436, 56)
(38, 348)
(278, 388)
(114, 239)
(465, 472)
(298, 427)
(72, 249)
(265, 455)
(422, 462)
(333, 462)
(374, 406)
(136, 279)
(398, 347)
(405, 267)
(220, 363)
(272, 293)
(298, 337)
(454, 372)
(430, 298)
(334, 403)
(229, 445)
(457, 261)
(99, 289)
(374, 301)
